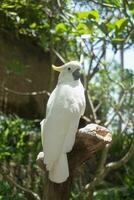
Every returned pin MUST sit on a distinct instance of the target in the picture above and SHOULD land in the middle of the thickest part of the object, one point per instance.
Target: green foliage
(15, 67)
(115, 193)
(15, 140)
(6, 192)
(19, 145)
(61, 27)
(39, 20)
(30, 18)
(21, 15)
(93, 14)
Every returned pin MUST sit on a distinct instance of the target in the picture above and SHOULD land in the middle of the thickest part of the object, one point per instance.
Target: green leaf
(121, 23)
(33, 25)
(88, 14)
(15, 66)
(82, 15)
(116, 2)
(94, 15)
(106, 27)
(83, 28)
(131, 6)
(7, 6)
(60, 27)
(132, 12)
(110, 26)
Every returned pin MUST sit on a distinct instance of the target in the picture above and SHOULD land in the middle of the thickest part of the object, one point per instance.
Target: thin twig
(96, 68)
(110, 166)
(59, 3)
(115, 165)
(125, 127)
(59, 56)
(103, 4)
(116, 110)
(98, 106)
(26, 93)
(92, 106)
(5, 175)
(114, 81)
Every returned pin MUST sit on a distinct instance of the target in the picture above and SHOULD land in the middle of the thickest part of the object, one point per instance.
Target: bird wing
(62, 120)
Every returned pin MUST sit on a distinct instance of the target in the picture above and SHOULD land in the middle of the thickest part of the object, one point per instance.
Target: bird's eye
(69, 68)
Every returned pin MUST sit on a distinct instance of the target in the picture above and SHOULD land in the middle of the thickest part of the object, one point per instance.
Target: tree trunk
(54, 191)
(89, 140)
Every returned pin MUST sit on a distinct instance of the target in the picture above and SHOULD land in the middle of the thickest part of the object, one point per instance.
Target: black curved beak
(76, 74)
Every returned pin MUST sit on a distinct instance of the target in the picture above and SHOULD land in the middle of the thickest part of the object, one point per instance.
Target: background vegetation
(89, 29)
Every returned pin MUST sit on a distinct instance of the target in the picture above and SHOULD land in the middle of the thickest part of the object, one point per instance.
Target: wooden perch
(89, 140)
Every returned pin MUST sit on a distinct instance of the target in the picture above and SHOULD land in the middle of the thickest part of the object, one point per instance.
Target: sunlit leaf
(83, 29)
(132, 12)
(82, 15)
(116, 2)
(88, 14)
(94, 14)
(33, 25)
(7, 6)
(121, 22)
(60, 27)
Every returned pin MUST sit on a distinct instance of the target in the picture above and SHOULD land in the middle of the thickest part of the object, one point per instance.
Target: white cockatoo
(65, 106)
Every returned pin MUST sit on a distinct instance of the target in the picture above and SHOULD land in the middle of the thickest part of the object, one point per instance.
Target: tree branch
(96, 68)
(59, 55)
(122, 161)
(108, 167)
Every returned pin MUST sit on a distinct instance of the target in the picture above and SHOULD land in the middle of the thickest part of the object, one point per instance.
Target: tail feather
(59, 172)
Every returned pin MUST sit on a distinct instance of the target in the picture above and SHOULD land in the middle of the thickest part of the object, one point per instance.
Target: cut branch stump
(89, 140)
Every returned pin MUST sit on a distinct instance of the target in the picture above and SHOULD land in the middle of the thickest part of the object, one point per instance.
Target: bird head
(69, 71)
